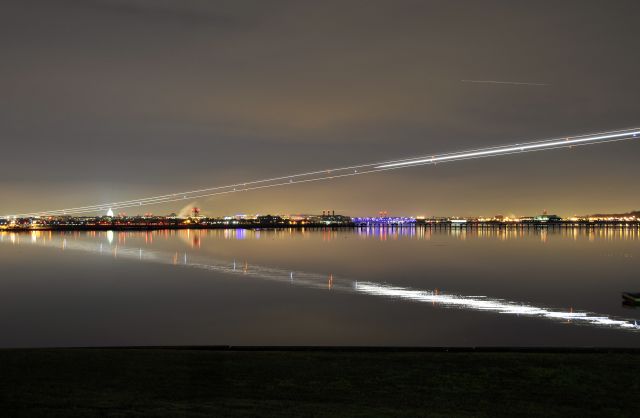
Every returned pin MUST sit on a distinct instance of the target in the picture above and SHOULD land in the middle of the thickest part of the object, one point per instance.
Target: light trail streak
(321, 281)
(348, 171)
(514, 83)
(517, 148)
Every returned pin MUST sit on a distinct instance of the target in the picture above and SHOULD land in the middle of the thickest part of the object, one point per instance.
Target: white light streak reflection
(331, 282)
(481, 303)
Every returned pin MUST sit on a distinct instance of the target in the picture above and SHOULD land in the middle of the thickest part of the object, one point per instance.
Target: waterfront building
(547, 218)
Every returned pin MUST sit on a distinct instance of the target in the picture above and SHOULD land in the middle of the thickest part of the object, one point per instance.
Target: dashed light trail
(354, 170)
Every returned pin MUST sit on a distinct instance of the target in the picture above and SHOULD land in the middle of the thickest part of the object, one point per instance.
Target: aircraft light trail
(354, 170)
(513, 83)
(531, 146)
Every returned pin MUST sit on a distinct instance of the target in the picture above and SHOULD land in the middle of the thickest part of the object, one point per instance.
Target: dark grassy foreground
(191, 382)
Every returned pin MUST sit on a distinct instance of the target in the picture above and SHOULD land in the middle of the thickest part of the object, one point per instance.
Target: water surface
(373, 286)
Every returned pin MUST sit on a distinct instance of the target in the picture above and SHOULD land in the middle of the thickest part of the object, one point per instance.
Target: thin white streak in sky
(513, 83)
(354, 170)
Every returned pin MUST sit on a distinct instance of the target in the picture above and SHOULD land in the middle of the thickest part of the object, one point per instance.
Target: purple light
(385, 220)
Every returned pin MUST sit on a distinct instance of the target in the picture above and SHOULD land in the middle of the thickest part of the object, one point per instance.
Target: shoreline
(443, 225)
(348, 349)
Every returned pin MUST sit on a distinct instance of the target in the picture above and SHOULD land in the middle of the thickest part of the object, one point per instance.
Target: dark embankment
(200, 382)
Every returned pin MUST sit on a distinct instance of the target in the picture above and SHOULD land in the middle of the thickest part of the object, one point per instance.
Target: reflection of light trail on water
(480, 303)
(328, 281)
(353, 170)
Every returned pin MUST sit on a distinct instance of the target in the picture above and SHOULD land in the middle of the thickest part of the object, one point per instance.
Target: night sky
(106, 100)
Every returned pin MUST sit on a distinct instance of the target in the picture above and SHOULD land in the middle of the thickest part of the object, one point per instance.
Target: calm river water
(375, 286)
